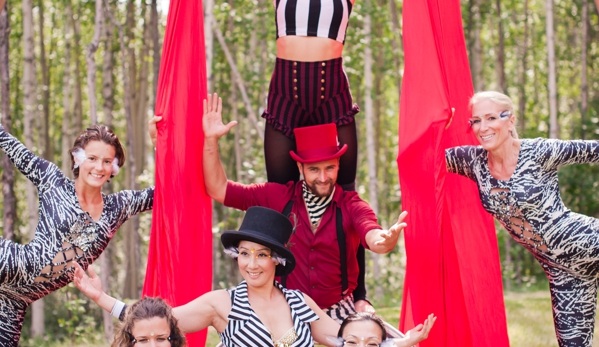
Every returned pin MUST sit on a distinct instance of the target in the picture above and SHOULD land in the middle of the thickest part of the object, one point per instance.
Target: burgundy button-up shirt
(317, 272)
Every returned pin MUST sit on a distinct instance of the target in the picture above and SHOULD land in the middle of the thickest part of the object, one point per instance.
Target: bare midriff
(308, 48)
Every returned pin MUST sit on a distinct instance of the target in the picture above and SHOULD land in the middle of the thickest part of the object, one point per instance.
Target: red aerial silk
(180, 256)
(452, 255)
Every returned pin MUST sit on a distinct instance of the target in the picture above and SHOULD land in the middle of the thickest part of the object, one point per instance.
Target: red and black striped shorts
(309, 93)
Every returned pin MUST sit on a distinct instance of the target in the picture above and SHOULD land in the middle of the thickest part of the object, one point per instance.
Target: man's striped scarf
(316, 205)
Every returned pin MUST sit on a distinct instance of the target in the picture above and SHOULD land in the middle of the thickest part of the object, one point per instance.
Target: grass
(530, 323)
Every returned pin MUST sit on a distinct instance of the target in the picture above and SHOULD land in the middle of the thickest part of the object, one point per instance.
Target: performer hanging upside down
(76, 221)
(308, 85)
(259, 311)
(518, 183)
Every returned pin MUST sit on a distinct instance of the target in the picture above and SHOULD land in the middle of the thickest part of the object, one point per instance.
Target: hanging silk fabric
(453, 265)
(180, 253)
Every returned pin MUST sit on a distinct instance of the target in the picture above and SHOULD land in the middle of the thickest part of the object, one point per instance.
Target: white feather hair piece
(79, 157)
(115, 166)
(233, 252)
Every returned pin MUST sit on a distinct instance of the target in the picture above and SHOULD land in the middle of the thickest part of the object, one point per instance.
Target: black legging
(281, 168)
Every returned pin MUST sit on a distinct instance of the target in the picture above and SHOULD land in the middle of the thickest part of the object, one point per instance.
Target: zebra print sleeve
(133, 202)
(554, 153)
(36, 169)
(459, 160)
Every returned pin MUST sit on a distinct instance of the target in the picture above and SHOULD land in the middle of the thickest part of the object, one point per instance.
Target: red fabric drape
(452, 255)
(180, 256)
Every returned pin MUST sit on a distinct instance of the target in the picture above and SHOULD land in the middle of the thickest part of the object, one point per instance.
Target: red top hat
(317, 143)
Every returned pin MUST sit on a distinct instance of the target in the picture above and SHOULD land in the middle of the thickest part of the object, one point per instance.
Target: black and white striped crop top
(320, 18)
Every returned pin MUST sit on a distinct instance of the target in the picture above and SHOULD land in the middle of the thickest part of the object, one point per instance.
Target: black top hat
(268, 228)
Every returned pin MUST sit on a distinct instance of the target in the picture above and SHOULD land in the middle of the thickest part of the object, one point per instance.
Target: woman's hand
(90, 285)
(213, 119)
(152, 130)
(418, 333)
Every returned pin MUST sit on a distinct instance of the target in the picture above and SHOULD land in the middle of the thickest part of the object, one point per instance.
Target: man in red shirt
(317, 203)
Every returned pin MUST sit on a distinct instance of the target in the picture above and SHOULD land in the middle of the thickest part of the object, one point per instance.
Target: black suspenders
(342, 247)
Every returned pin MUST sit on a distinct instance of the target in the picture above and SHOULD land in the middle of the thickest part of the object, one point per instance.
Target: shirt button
(322, 80)
(322, 96)
(295, 80)
(295, 63)
(296, 96)
(294, 88)
(324, 64)
(322, 89)
(294, 71)
(322, 72)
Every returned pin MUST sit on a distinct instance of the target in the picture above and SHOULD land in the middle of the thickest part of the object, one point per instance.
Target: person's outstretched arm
(325, 327)
(383, 241)
(193, 316)
(417, 334)
(38, 170)
(215, 178)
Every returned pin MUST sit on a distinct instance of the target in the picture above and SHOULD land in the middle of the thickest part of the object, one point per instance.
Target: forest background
(69, 63)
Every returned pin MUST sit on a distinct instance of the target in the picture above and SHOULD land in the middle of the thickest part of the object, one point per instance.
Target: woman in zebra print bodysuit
(76, 221)
(518, 184)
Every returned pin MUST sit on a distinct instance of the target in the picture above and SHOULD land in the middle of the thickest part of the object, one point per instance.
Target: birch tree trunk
(244, 96)
(234, 109)
(209, 40)
(44, 140)
(551, 71)
(68, 90)
(107, 109)
(157, 49)
(91, 62)
(501, 50)
(584, 86)
(132, 277)
(140, 118)
(8, 172)
(77, 120)
(108, 73)
(396, 41)
(475, 45)
(370, 136)
(523, 70)
(30, 115)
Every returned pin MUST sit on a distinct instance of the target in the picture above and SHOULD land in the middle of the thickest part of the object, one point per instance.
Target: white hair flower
(115, 166)
(78, 156)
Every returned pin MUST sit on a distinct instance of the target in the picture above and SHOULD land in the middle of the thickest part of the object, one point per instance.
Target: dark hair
(361, 317)
(97, 132)
(148, 308)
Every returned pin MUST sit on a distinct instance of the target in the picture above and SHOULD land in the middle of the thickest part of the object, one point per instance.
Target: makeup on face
(489, 118)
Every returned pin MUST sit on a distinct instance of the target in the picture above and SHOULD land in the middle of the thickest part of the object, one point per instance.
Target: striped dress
(246, 330)
(64, 233)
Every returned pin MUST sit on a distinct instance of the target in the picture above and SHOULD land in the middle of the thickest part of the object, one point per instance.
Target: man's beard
(313, 188)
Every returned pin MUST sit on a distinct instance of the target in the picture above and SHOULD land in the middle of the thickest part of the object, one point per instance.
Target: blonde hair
(499, 99)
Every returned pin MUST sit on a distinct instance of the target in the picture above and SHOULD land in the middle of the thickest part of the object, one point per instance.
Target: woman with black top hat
(259, 311)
